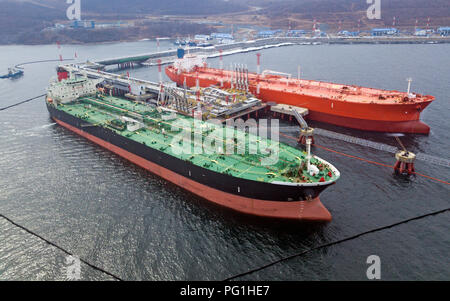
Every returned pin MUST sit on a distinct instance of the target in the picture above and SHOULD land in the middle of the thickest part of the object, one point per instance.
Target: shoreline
(293, 40)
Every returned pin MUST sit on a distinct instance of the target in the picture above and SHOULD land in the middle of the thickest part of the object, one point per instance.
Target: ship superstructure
(72, 88)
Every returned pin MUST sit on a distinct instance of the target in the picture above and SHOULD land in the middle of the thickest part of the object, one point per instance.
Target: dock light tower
(159, 70)
(58, 44)
(258, 63)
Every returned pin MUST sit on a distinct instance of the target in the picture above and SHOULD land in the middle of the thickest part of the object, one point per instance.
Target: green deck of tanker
(160, 134)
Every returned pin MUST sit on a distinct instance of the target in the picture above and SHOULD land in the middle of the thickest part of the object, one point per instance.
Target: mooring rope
(334, 243)
(59, 248)
(22, 102)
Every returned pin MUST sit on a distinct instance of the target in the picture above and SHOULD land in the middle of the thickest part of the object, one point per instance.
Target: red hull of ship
(301, 210)
(369, 116)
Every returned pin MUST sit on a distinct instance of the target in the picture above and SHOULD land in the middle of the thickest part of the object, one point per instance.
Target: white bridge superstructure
(72, 88)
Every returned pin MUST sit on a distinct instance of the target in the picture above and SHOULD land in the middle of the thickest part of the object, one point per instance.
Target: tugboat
(12, 73)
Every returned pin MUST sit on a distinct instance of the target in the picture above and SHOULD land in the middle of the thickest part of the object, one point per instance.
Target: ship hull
(14, 75)
(390, 118)
(411, 126)
(400, 118)
(249, 197)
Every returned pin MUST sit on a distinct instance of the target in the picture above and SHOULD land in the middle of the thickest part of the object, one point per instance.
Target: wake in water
(395, 135)
(31, 132)
(40, 127)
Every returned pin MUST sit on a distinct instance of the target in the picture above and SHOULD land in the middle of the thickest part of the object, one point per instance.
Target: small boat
(179, 42)
(12, 73)
(205, 45)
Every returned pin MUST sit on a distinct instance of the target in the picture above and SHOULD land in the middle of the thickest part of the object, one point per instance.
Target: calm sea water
(135, 225)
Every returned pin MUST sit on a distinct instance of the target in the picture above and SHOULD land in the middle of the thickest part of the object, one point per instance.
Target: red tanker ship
(344, 105)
